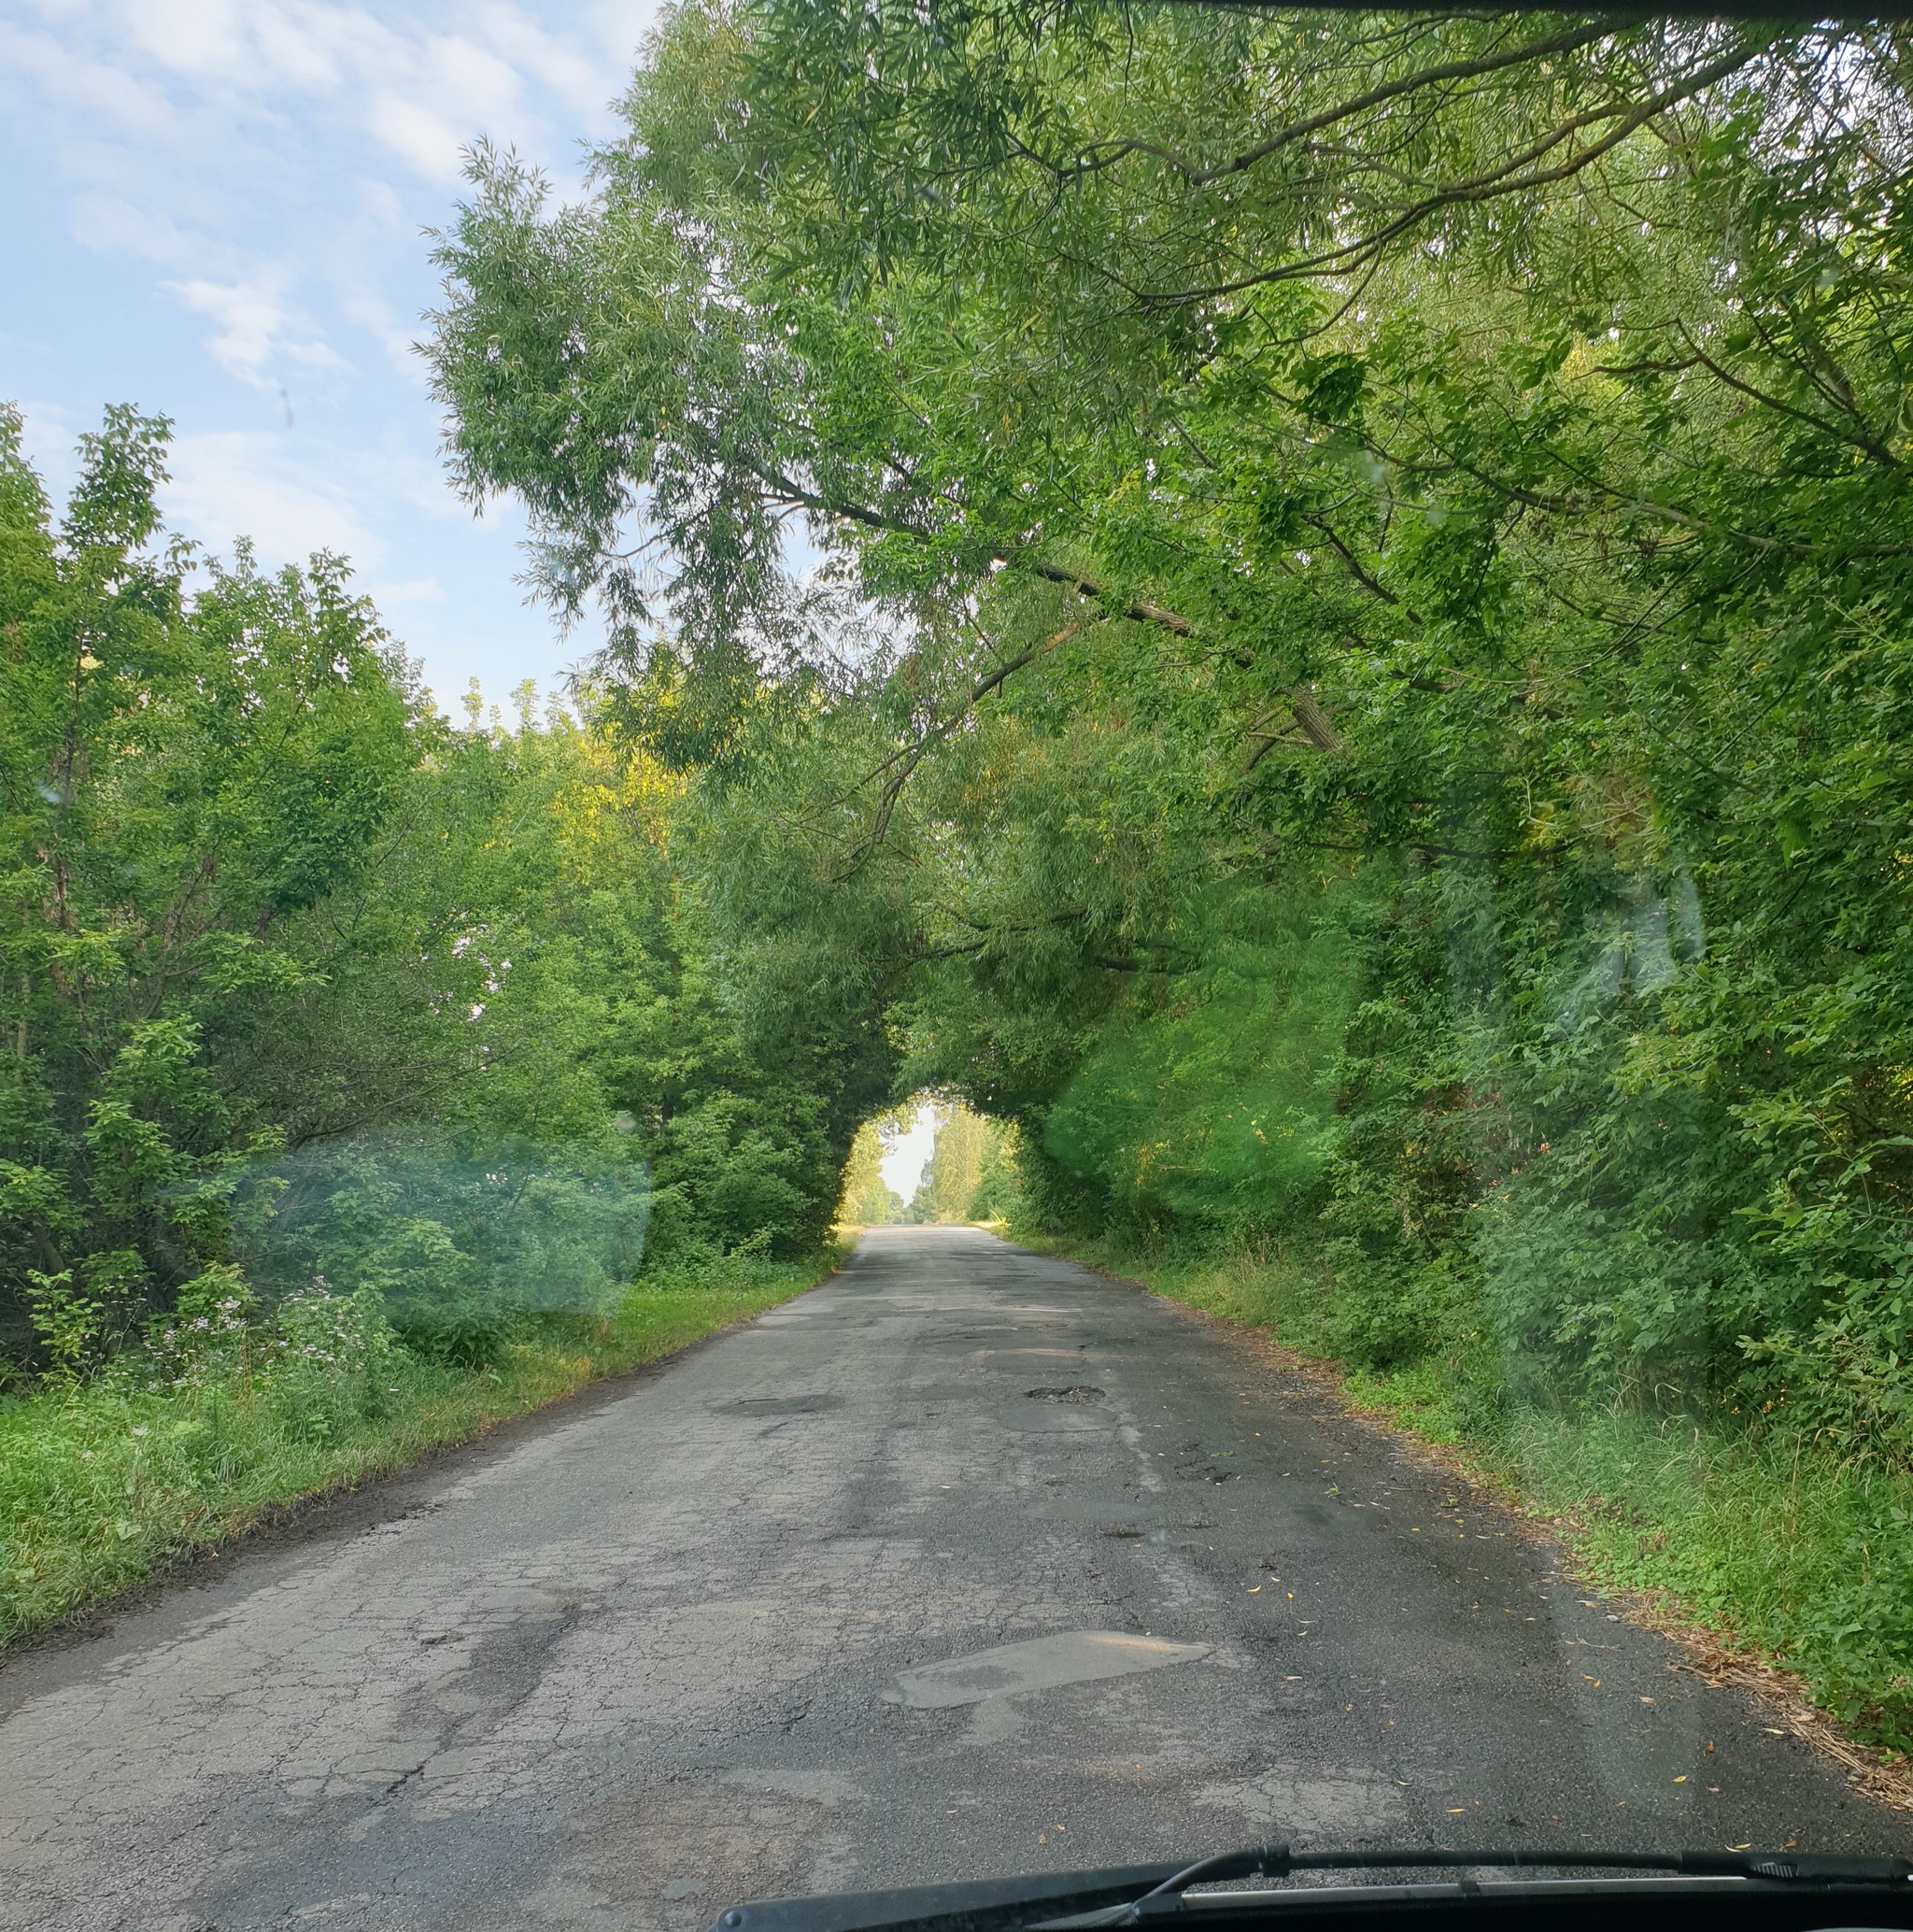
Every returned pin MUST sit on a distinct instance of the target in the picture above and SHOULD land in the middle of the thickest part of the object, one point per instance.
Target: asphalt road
(716, 1635)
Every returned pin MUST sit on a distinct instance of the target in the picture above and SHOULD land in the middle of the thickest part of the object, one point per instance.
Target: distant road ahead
(715, 1635)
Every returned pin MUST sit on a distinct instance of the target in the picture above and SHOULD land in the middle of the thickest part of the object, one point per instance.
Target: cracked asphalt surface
(678, 1646)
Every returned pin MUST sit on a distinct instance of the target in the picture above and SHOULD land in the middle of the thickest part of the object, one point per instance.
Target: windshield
(1137, 1079)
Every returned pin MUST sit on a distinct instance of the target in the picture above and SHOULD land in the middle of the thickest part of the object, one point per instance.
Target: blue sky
(215, 210)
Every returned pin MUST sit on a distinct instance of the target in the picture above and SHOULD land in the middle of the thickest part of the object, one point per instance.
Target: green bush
(1764, 1535)
(1209, 1101)
(456, 1236)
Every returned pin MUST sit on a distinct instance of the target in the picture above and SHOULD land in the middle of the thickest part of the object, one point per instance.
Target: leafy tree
(180, 784)
(1421, 496)
(868, 1200)
(297, 980)
(972, 1161)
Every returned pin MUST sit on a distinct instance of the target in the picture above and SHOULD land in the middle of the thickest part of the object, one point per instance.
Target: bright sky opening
(906, 1157)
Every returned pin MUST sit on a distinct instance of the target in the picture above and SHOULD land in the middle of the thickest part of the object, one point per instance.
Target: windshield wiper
(1126, 1895)
(1278, 1862)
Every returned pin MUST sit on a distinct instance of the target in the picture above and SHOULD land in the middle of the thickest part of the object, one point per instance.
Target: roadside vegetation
(362, 1079)
(969, 1176)
(102, 1483)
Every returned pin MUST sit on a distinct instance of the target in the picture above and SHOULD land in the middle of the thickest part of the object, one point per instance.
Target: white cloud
(294, 493)
(907, 1153)
(195, 133)
(188, 35)
(420, 135)
(60, 73)
(252, 176)
(573, 75)
(267, 487)
(255, 331)
(109, 223)
(419, 590)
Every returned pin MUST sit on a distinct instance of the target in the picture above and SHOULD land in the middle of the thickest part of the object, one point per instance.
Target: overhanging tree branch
(1565, 42)
(1515, 176)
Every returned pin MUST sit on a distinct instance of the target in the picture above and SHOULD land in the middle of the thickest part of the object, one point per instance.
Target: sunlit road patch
(1042, 1663)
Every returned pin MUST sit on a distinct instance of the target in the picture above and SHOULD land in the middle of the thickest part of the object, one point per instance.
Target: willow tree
(1458, 460)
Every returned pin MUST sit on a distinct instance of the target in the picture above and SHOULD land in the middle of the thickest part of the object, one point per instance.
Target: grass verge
(103, 1481)
(1785, 1555)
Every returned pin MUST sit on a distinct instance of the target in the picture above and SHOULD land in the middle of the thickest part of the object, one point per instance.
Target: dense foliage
(971, 1175)
(1391, 702)
(306, 991)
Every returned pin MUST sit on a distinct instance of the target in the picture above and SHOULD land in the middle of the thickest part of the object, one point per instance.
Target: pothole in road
(1206, 1472)
(1075, 1392)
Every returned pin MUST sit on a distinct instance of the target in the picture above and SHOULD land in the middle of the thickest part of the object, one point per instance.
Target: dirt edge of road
(1717, 1657)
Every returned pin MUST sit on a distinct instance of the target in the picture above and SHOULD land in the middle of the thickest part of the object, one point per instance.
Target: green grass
(1770, 1541)
(102, 1483)
(1765, 1538)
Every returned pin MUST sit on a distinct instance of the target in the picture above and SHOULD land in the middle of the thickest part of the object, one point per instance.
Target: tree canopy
(1304, 615)
(1321, 599)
